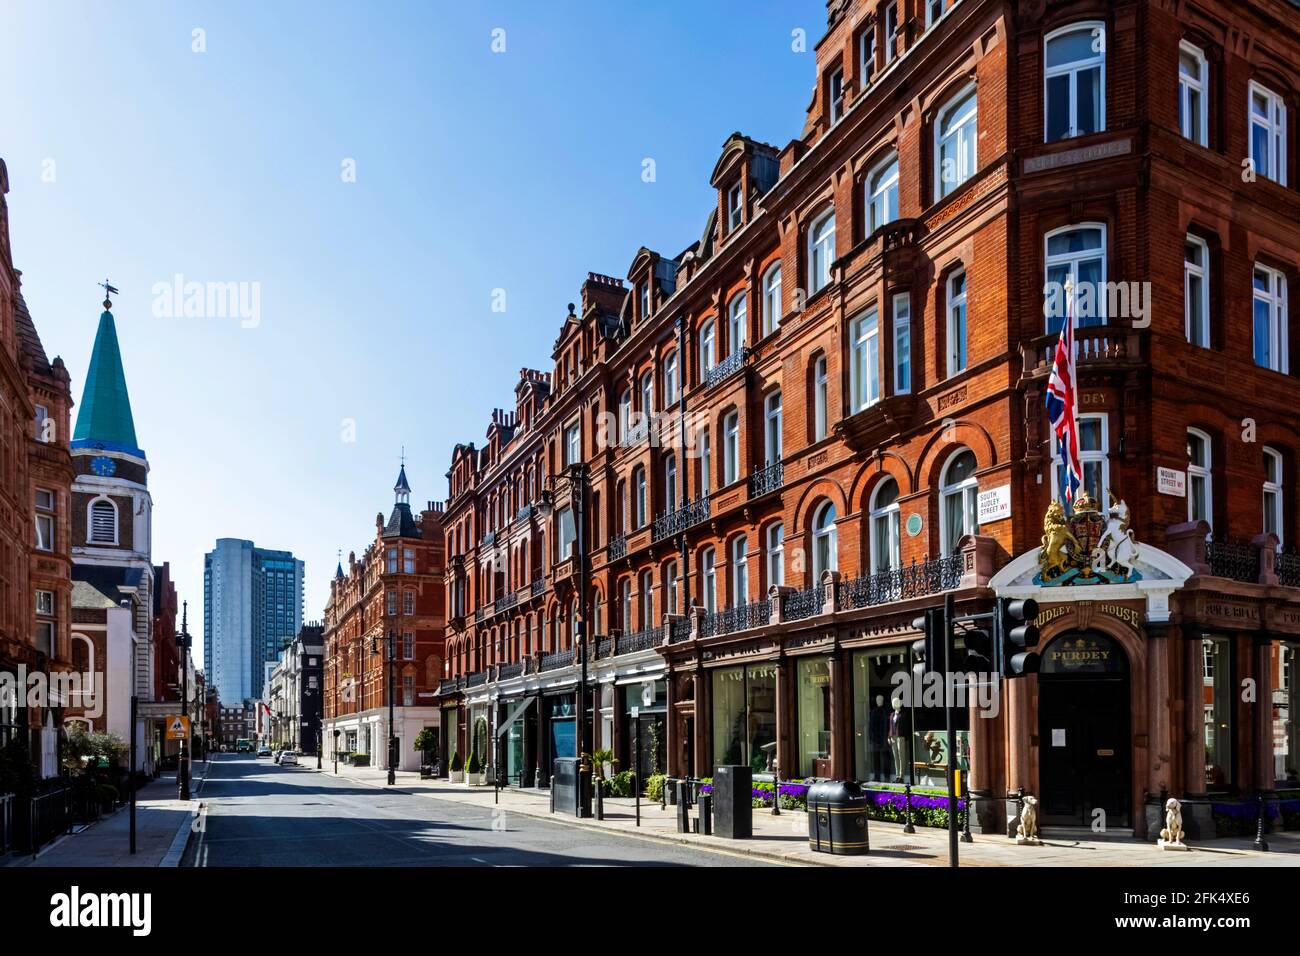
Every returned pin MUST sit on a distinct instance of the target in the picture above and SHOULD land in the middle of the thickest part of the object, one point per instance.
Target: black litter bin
(837, 818)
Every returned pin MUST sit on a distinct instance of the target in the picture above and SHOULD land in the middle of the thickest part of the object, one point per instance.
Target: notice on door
(1058, 736)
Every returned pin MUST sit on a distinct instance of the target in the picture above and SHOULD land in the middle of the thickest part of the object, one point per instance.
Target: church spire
(104, 417)
(402, 490)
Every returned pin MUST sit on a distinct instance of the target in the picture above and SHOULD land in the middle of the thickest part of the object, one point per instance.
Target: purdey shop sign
(1083, 653)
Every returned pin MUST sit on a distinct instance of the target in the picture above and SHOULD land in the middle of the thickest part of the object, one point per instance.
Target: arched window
(957, 322)
(958, 493)
(886, 549)
(775, 554)
(647, 600)
(596, 619)
(1200, 490)
(1193, 83)
(738, 318)
(670, 587)
(1077, 255)
(670, 378)
(625, 598)
(739, 572)
(648, 393)
(709, 580)
(821, 252)
(625, 415)
(708, 355)
(882, 194)
(955, 134)
(103, 521)
(825, 542)
(670, 482)
(1273, 493)
(820, 396)
(772, 298)
(1074, 81)
(772, 428)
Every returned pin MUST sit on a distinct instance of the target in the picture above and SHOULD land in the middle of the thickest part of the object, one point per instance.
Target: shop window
(1286, 715)
(814, 717)
(1219, 723)
(744, 717)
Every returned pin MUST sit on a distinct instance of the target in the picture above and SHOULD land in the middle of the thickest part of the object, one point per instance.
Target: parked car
(264, 751)
(288, 758)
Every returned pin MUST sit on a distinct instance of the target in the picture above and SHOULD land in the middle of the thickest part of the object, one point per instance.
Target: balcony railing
(618, 548)
(687, 516)
(449, 685)
(556, 659)
(605, 647)
(1238, 560)
(766, 480)
(898, 584)
(805, 603)
(641, 640)
(742, 618)
(478, 614)
(680, 630)
(1288, 569)
(508, 671)
(538, 586)
(506, 601)
(476, 679)
(728, 367)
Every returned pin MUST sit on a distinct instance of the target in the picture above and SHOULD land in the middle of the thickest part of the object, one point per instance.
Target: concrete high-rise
(252, 603)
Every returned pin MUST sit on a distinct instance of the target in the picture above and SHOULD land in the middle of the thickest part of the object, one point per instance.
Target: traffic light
(930, 651)
(1015, 636)
(981, 650)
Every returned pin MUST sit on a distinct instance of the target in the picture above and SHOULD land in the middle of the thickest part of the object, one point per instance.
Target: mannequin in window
(898, 738)
(877, 742)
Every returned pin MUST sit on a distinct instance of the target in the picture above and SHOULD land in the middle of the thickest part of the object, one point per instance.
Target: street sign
(636, 712)
(178, 728)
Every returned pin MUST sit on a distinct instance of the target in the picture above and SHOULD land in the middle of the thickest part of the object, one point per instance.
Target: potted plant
(474, 773)
(456, 771)
(425, 741)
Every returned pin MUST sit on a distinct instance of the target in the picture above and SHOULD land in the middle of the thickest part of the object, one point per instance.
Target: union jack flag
(1062, 404)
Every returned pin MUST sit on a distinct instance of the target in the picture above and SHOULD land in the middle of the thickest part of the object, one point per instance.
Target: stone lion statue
(1058, 541)
(1027, 831)
(1173, 830)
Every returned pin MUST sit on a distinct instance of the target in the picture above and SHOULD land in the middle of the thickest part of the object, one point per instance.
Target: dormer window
(645, 299)
(735, 208)
(835, 94)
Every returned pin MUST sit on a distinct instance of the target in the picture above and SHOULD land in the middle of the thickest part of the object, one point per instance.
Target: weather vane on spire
(109, 291)
(403, 456)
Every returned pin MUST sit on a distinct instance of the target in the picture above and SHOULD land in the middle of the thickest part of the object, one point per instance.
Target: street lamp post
(183, 641)
(573, 482)
(390, 659)
(336, 749)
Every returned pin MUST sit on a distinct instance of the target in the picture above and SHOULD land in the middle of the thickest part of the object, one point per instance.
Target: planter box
(475, 779)
(456, 776)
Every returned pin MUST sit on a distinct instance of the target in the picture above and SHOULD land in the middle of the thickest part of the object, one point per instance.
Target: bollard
(600, 798)
(907, 810)
(683, 810)
(706, 814)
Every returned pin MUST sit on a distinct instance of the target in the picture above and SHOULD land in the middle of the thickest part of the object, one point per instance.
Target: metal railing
(538, 586)
(556, 659)
(513, 669)
(618, 547)
(766, 480)
(687, 516)
(641, 640)
(605, 647)
(478, 614)
(805, 603)
(898, 584)
(449, 684)
(728, 367)
(741, 618)
(1288, 569)
(506, 601)
(680, 630)
(1238, 560)
(476, 679)
(51, 816)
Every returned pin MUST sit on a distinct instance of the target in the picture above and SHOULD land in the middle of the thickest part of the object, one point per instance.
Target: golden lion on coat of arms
(1058, 542)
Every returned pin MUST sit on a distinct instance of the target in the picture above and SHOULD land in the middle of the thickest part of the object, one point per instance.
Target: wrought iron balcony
(680, 630)
(618, 547)
(1288, 569)
(641, 640)
(898, 584)
(605, 647)
(556, 660)
(538, 586)
(507, 671)
(506, 601)
(766, 480)
(742, 618)
(805, 603)
(1238, 560)
(448, 685)
(728, 367)
(478, 614)
(687, 516)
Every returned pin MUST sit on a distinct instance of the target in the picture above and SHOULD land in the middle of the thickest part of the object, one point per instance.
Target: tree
(425, 741)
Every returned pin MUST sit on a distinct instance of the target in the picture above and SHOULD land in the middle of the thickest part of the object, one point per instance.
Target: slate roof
(401, 523)
(29, 343)
(113, 583)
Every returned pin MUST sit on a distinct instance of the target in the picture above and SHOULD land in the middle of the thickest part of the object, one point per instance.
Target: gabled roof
(104, 419)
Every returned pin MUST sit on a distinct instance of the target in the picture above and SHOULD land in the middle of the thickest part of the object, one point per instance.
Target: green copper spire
(104, 418)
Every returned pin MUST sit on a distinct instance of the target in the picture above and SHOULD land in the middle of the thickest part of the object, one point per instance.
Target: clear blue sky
(475, 171)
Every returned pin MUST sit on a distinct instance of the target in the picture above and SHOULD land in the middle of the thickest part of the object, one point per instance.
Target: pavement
(163, 826)
(259, 814)
(784, 838)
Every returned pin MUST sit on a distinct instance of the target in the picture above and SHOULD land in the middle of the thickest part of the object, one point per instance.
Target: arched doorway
(1084, 737)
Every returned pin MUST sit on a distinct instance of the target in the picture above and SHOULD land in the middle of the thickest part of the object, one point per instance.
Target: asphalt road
(263, 815)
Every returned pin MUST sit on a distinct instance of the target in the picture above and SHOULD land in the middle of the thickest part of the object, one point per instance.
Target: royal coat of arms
(1087, 546)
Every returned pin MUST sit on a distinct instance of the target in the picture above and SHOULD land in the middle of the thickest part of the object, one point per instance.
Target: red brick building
(35, 501)
(395, 588)
(857, 350)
